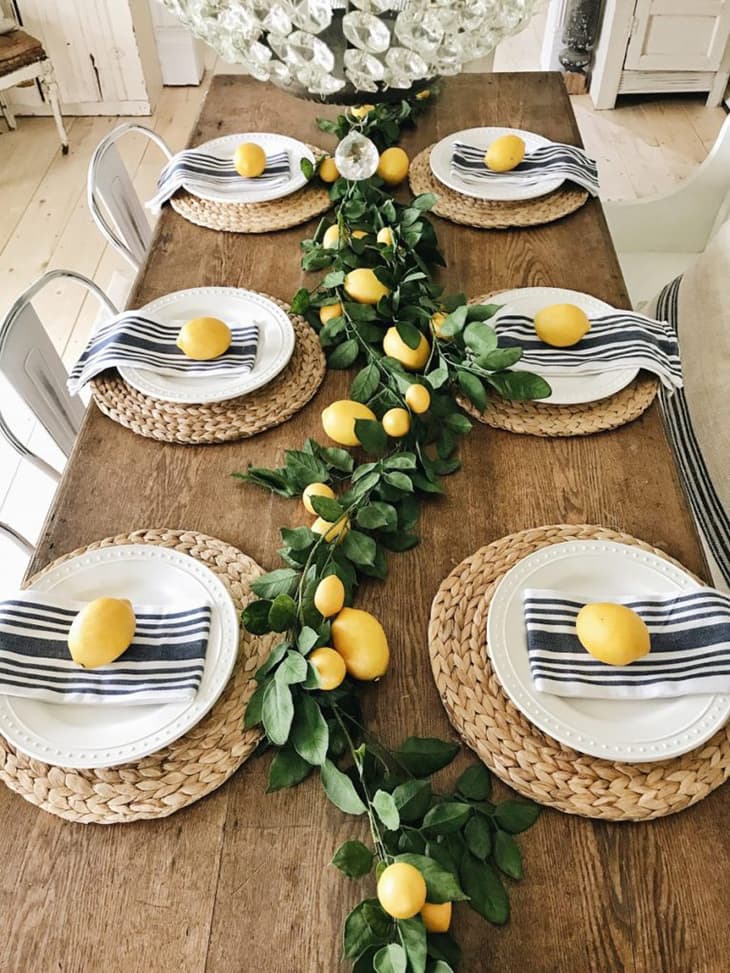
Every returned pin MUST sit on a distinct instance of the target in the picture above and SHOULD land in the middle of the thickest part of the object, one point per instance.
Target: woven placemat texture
(492, 214)
(219, 422)
(531, 762)
(191, 767)
(276, 214)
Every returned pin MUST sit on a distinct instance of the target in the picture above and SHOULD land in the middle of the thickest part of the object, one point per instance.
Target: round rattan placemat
(487, 214)
(218, 422)
(531, 762)
(191, 767)
(277, 214)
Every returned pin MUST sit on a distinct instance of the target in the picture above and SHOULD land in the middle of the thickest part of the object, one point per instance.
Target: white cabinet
(662, 46)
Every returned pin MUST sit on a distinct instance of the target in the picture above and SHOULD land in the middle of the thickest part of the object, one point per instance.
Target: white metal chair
(31, 365)
(657, 238)
(113, 202)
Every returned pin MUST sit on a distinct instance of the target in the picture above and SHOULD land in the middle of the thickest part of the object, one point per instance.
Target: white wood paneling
(678, 35)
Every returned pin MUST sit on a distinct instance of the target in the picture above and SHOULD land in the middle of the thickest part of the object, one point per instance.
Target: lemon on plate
(249, 160)
(504, 153)
(561, 325)
(101, 632)
(329, 666)
(393, 166)
(338, 420)
(401, 890)
(203, 339)
(612, 633)
(364, 287)
(361, 641)
(411, 358)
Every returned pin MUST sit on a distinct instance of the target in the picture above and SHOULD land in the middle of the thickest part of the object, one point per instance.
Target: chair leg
(50, 91)
(7, 113)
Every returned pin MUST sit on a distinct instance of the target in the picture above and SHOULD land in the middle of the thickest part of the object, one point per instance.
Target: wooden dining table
(240, 881)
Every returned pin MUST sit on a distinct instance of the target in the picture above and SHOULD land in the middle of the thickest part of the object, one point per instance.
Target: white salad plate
(634, 731)
(567, 389)
(492, 189)
(224, 147)
(83, 736)
(234, 306)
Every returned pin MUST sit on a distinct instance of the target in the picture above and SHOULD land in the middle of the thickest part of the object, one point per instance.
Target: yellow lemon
(330, 311)
(423, 95)
(364, 287)
(396, 422)
(385, 236)
(436, 916)
(338, 420)
(331, 238)
(101, 631)
(329, 596)
(360, 111)
(331, 532)
(418, 398)
(614, 634)
(401, 890)
(359, 638)
(436, 322)
(504, 153)
(561, 325)
(204, 338)
(330, 667)
(316, 490)
(328, 171)
(393, 166)
(249, 160)
(411, 358)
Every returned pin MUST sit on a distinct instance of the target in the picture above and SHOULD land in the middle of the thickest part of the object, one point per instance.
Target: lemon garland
(378, 306)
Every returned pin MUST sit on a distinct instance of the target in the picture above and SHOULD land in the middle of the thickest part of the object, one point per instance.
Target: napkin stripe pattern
(690, 647)
(131, 339)
(621, 339)
(554, 161)
(163, 664)
(708, 509)
(191, 169)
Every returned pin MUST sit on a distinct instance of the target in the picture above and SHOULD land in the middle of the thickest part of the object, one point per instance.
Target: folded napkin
(554, 161)
(690, 647)
(200, 172)
(164, 663)
(617, 340)
(130, 339)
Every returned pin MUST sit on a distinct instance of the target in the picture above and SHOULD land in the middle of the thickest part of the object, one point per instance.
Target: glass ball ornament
(334, 50)
(356, 157)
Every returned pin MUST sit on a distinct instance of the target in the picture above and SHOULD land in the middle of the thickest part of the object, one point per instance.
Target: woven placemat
(531, 762)
(277, 214)
(219, 422)
(192, 766)
(492, 214)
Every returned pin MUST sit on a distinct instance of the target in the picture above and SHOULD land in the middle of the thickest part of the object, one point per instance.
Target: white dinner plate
(236, 307)
(634, 731)
(225, 146)
(76, 735)
(442, 152)
(570, 389)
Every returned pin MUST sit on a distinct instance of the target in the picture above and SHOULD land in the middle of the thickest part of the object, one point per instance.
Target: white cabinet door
(678, 35)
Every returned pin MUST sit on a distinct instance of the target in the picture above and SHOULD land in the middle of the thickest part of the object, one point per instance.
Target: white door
(678, 35)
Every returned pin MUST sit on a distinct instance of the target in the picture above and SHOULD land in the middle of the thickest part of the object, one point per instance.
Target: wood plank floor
(646, 145)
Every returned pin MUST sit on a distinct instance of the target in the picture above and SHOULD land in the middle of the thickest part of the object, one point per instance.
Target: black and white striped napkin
(199, 172)
(549, 162)
(131, 339)
(690, 647)
(621, 339)
(164, 663)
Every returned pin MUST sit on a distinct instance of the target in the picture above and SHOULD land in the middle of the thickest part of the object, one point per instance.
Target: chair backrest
(113, 202)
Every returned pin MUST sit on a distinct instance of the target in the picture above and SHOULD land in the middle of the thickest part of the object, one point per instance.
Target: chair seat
(646, 273)
(18, 49)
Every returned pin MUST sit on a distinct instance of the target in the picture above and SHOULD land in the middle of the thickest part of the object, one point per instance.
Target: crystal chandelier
(334, 49)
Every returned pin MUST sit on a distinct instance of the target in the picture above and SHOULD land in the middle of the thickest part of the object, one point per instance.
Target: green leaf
(337, 458)
(252, 716)
(365, 483)
(390, 959)
(360, 312)
(334, 279)
(277, 712)
(401, 461)
(281, 581)
(500, 358)
(440, 966)
(298, 538)
(438, 377)
(458, 422)
(482, 312)
(340, 790)
(287, 770)
(447, 817)
(309, 733)
(283, 612)
(424, 201)
(454, 322)
(507, 855)
(378, 516)
(367, 925)
(475, 783)
(480, 338)
(516, 816)
(371, 436)
(520, 386)
(306, 166)
(365, 383)
(423, 756)
(307, 639)
(441, 885)
(327, 508)
(300, 301)
(413, 936)
(410, 334)
(478, 836)
(400, 481)
(353, 858)
(386, 809)
(255, 617)
(359, 548)
(485, 890)
(344, 355)
(275, 656)
(472, 388)
(292, 670)
(442, 948)
(412, 799)
(304, 468)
